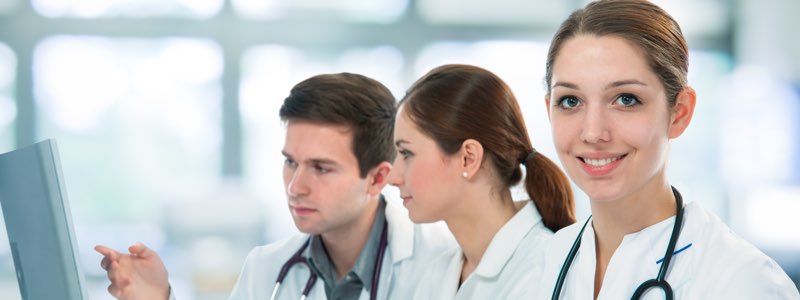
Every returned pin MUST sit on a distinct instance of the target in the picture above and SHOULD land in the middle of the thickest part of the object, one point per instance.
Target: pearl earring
(465, 174)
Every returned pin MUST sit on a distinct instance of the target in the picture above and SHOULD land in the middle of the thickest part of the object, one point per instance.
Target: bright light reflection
(378, 11)
(539, 12)
(771, 218)
(758, 139)
(77, 80)
(8, 107)
(384, 62)
(8, 67)
(127, 8)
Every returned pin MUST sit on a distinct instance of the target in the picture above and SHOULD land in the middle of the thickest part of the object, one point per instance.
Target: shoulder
(716, 241)
(532, 236)
(276, 251)
(562, 240)
(725, 259)
(262, 265)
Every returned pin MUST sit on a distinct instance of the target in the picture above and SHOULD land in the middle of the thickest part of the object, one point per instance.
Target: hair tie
(528, 156)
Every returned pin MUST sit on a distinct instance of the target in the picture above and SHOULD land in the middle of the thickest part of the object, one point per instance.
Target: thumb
(140, 250)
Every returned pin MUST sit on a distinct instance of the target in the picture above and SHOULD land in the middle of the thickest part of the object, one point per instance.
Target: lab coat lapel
(400, 245)
(401, 233)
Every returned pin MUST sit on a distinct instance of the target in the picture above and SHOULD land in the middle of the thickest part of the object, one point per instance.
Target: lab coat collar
(507, 240)
(401, 232)
(653, 238)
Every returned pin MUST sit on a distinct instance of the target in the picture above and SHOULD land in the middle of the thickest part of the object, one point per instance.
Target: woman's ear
(378, 178)
(547, 105)
(682, 112)
(471, 157)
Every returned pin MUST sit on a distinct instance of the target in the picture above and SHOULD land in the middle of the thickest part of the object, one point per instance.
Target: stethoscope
(658, 282)
(312, 277)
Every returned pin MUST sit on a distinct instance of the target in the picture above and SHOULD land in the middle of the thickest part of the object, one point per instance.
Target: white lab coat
(718, 264)
(410, 250)
(508, 267)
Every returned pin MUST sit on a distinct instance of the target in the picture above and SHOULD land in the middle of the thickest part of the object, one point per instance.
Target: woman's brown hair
(641, 23)
(453, 103)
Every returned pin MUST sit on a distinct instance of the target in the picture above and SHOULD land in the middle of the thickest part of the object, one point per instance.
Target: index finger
(109, 253)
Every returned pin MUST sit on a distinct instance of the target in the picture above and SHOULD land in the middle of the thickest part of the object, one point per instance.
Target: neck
(345, 244)
(614, 219)
(473, 237)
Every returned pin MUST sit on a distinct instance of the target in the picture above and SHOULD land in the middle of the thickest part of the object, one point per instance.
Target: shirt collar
(364, 267)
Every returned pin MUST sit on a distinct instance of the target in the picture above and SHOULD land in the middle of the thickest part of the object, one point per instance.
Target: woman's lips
(600, 165)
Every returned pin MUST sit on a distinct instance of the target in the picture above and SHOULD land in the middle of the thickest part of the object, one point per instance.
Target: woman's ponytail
(550, 190)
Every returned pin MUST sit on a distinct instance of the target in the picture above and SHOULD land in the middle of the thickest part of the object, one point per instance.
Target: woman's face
(426, 177)
(610, 117)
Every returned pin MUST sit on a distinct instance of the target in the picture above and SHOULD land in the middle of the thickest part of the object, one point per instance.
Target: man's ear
(682, 112)
(471, 153)
(378, 178)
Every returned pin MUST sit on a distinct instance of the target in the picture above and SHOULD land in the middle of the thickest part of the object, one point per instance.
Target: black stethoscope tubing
(659, 281)
(312, 277)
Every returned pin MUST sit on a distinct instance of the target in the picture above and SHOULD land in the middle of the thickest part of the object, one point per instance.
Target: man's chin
(307, 228)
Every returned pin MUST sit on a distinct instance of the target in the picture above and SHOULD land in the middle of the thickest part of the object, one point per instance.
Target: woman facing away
(463, 143)
(617, 93)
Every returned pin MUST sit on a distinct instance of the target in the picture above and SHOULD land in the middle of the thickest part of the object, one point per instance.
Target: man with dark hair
(339, 150)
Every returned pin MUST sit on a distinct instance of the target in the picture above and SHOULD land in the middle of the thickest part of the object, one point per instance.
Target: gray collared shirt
(350, 286)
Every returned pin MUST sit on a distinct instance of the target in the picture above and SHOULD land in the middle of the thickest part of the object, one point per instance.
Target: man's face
(324, 190)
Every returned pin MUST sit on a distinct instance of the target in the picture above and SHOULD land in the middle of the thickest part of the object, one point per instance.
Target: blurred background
(165, 111)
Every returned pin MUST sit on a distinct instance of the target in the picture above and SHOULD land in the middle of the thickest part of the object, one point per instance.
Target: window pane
(127, 8)
(8, 107)
(378, 11)
(268, 74)
(137, 122)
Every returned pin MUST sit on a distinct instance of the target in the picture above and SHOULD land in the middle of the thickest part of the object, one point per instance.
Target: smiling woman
(617, 96)
(632, 98)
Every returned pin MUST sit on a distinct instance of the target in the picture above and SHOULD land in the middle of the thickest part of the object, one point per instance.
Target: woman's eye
(404, 153)
(568, 102)
(627, 100)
